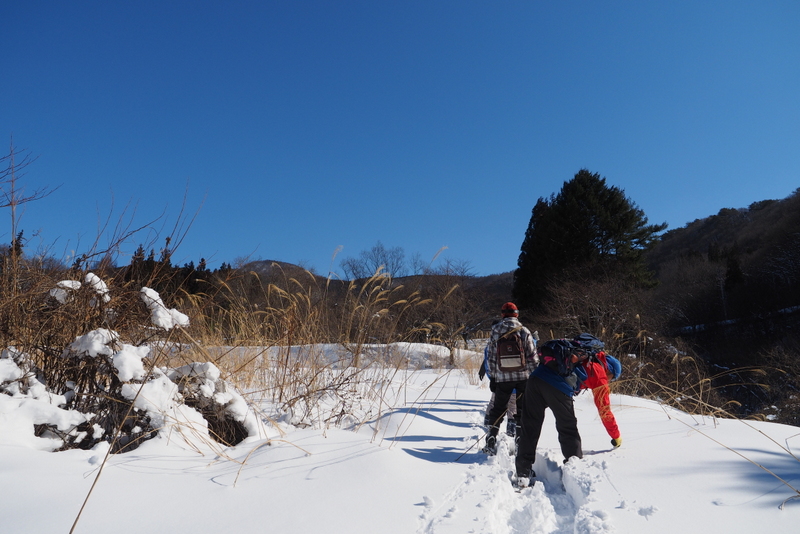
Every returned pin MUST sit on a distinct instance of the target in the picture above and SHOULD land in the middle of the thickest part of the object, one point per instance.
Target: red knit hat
(509, 309)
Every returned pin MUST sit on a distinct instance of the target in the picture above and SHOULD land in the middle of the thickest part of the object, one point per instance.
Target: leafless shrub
(654, 366)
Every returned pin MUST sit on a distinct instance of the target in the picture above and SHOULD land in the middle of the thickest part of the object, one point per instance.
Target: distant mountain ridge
(275, 268)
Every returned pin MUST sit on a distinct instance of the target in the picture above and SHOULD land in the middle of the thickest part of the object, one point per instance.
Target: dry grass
(313, 357)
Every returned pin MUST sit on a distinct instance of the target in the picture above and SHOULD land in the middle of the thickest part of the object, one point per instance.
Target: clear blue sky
(299, 127)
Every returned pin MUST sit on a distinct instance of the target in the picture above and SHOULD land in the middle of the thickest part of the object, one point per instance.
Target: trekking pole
(470, 447)
(483, 436)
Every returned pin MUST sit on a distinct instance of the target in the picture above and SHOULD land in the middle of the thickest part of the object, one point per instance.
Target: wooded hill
(729, 284)
(733, 279)
(737, 264)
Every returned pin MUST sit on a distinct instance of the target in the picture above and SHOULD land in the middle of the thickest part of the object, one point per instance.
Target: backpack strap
(512, 331)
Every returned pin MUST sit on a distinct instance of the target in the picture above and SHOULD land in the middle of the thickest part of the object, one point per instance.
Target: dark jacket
(560, 382)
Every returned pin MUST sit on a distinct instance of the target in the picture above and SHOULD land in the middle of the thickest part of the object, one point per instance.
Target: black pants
(540, 395)
(502, 394)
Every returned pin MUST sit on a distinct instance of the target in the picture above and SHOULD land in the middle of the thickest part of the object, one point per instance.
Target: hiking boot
(616, 442)
(511, 427)
(491, 446)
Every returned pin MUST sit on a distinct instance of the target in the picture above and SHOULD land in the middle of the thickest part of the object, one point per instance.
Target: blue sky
(296, 128)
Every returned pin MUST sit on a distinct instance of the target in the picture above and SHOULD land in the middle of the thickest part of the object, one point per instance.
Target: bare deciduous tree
(369, 262)
(11, 195)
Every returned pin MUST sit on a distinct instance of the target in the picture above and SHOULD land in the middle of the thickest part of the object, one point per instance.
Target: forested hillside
(729, 285)
(737, 264)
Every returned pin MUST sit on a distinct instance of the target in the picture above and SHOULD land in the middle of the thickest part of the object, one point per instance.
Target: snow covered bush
(24, 398)
(229, 417)
(96, 387)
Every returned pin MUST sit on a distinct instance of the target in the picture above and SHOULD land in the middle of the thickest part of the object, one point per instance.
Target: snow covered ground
(416, 469)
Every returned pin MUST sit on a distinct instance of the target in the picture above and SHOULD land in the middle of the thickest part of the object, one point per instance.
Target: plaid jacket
(503, 327)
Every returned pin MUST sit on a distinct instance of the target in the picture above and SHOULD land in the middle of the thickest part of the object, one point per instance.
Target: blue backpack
(593, 346)
(589, 343)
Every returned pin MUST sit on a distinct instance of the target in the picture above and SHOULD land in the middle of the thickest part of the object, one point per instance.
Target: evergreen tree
(138, 255)
(587, 229)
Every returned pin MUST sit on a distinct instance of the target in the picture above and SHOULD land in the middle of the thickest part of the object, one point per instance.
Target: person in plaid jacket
(507, 379)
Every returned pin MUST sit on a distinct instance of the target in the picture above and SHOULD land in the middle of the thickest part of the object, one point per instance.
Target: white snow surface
(414, 468)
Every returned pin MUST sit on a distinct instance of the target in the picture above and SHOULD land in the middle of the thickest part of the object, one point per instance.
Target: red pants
(597, 381)
(603, 403)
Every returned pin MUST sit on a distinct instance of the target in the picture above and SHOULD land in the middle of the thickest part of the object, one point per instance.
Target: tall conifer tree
(587, 229)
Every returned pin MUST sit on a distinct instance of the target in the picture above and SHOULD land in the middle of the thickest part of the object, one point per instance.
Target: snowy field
(415, 469)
